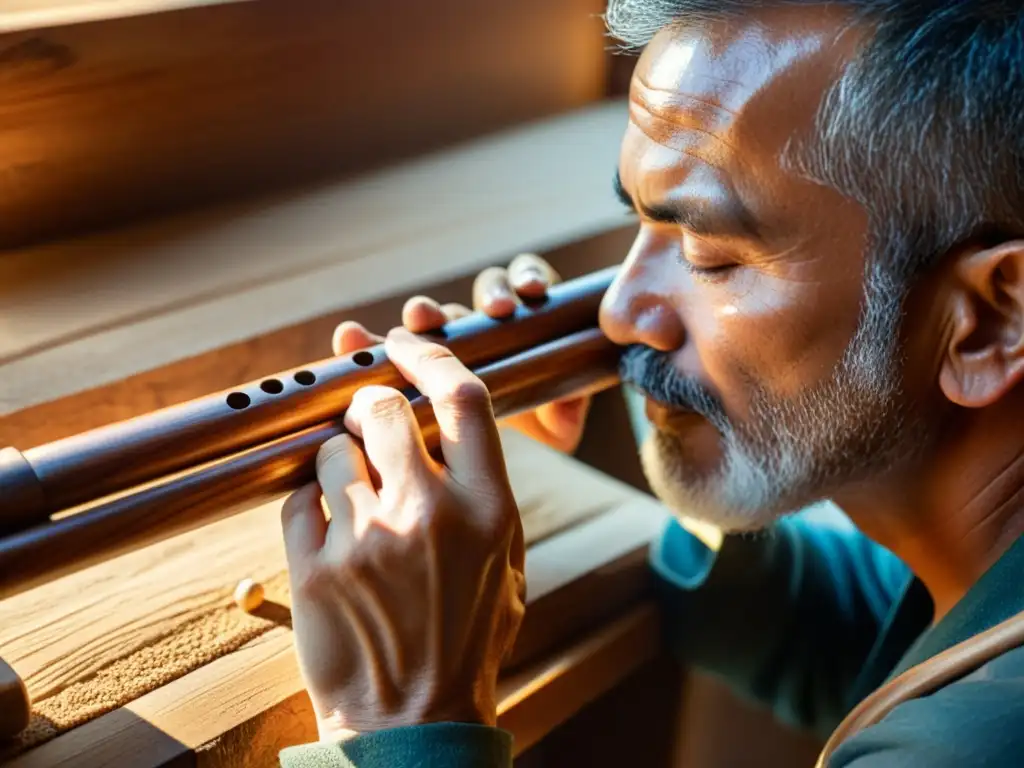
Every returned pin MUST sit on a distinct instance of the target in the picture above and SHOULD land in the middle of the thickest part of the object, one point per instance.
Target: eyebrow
(731, 218)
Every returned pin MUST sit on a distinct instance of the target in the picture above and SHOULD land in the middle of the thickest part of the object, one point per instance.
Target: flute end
(23, 501)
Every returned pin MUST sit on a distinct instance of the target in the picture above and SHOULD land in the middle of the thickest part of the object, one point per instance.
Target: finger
(455, 311)
(350, 336)
(347, 490)
(563, 419)
(492, 293)
(303, 525)
(383, 418)
(530, 276)
(469, 436)
(421, 314)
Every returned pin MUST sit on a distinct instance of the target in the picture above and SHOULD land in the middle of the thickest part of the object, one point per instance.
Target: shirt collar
(995, 597)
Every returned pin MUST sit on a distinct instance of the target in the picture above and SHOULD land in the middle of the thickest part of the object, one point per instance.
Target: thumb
(348, 491)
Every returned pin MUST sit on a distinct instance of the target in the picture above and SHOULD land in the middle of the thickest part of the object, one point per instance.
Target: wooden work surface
(114, 110)
(149, 651)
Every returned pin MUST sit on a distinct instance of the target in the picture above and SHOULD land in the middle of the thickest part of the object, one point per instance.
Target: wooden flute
(74, 502)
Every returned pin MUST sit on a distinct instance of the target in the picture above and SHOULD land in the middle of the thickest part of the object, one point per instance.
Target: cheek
(780, 335)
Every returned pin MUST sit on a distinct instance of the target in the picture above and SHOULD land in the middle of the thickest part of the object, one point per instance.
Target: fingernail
(499, 293)
(530, 275)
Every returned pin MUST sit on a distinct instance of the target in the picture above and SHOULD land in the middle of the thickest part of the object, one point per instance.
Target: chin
(731, 494)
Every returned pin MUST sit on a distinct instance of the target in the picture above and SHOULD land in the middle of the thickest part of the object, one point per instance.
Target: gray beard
(791, 453)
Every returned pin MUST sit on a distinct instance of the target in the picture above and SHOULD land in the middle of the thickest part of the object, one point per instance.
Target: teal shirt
(805, 619)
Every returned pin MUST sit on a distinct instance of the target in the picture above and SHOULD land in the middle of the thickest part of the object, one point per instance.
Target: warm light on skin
(708, 534)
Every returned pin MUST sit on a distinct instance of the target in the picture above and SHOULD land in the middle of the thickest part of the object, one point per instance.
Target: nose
(638, 307)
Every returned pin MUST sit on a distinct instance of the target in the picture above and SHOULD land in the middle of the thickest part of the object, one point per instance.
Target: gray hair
(924, 128)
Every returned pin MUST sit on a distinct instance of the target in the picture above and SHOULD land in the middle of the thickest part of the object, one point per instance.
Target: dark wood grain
(119, 119)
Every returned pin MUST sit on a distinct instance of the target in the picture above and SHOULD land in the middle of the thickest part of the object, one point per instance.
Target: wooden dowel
(82, 468)
(584, 362)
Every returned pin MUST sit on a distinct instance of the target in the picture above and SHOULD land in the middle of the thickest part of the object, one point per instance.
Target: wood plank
(55, 637)
(169, 291)
(22, 15)
(586, 560)
(532, 703)
(109, 121)
(243, 692)
(537, 700)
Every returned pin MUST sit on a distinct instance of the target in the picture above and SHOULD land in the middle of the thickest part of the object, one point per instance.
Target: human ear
(984, 359)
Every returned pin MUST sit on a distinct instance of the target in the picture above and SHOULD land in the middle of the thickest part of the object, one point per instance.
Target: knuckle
(339, 447)
(501, 527)
(358, 563)
(388, 405)
(375, 403)
(466, 393)
(431, 354)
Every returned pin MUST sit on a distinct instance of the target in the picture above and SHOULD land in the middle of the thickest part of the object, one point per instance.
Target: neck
(950, 521)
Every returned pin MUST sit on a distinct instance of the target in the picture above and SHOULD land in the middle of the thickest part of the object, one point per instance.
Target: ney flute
(148, 478)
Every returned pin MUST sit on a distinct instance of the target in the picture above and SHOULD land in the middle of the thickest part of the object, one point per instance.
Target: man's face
(745, 285)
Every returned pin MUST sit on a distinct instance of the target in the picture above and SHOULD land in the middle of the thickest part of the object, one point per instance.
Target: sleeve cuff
(439, 745)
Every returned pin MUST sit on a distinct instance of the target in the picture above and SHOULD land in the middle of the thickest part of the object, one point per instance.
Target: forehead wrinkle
(666, 101)
(672, 139)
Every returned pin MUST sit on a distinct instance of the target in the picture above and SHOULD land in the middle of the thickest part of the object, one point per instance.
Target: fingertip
(350, 336)
(498, 305)
(492, 293)
(299, 502)
(421, 314)
(303, 523)
(300, 497)
(531, 276)
(336, 340)
(337, 446)
(530, 283)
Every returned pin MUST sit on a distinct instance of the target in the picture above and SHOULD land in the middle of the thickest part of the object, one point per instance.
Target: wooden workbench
(143, 660)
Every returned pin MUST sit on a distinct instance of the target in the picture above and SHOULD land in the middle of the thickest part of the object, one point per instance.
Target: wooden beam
(24, 15)
(111, 111)
(112, 306)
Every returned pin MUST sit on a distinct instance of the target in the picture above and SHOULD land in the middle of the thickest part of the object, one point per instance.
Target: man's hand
(496, 292)
(407, 600)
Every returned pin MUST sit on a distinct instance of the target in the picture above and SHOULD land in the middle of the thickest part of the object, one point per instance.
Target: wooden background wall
(110, 120)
